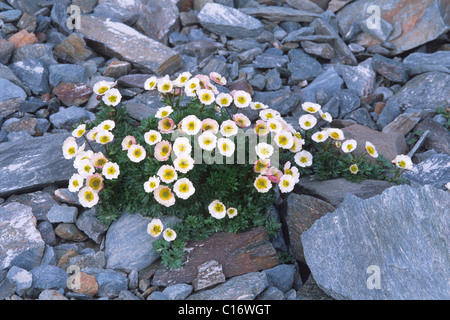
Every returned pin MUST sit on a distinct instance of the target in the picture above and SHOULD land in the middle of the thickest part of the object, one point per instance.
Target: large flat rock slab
(34, 163)
(393, 246)
(118, 40)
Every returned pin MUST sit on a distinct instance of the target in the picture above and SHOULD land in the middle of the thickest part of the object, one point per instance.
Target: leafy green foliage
(446, 113)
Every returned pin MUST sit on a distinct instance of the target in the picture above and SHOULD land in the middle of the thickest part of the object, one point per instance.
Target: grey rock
(144, 105)
(47, 232)
(21, 243)
(9, 107)
(62, 213)
(133, 280)
(348, 102)
(419, 62)
(62, 249)
(69, 73)
(332, 106)
(311, 291)
(15, 177)
(88, 258)
(298, 34)
(49, 294)
(323, 50)
(128, 245)
(362, 116)
(249, 55)
(278, 241)
(334, 191)
(7, 74)
(157, 295)
(110, 282)
(39, 201)
(133, 80)
(283, 100)
(281, 276)
(176, 38)
(382, 33)
(279, 33)
(302, 66)
(209, 274)
(390, 69)
(6, 50)
(329, 81)
(59, 16)
(356, 48)
(21, 278)
(228, 21)
(344, 258)
(116, 12)
(49, 257)
(49, 277)
(7, 289)
(127, 295)
(216, 65)
(425, 91)
(269, 61)
(88, 222)
(67, 117)
(31, 105)
(8, 90)
(360, 78)
(244, 287)
(258, 82)
(271, 293)
(10, 15)
(434, 171)
(378, 49)
(278, 14)
(35, 51)
(273, 80)
(438, 138)
(178, 291)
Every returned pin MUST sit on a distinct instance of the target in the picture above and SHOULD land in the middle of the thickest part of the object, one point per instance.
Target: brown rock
(117, 69)
(24, 124)
(379, 106)
(72, 49)
(438, 138)
(72, 94)
(8, 107)
(63, 262)
(241, 85)
(69, 231)
(302, 212)
(387, 144)
(403, 124)
(87, 284)
(22, 38)
(237, 253)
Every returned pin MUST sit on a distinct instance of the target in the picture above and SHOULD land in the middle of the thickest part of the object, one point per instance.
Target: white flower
(111, 170)
(169, 234)
(181, 80)
(102, 87)
(191, 87)
(183, 188)
(152, 137)
(205, 96)
(151, 184)
(354, 169)
(151, 83)
(183, 164)
(112, 97)
(85, 168)
(307, 121)
(191, 125)
(79, 131)
(287, 183)
(274, 125)
(228, 128)
(284, 139)
(311, 107)
(163, 195)
(303, 159)
(83, 155)
(320, 136)
(326, 116)
(167, 173)
(217, 209)
(107, 125)
(92, 133)
(207, 141)
(88, 197)
(182, 146)
(403, 162)
(76, 183)
(269, 114)
(218, 78)
(262, 184)
(232, 212)
(136, 153)
(242, 99)
(226, 147)
(349, 145)
(224, 99)
(370, 148)
(70, 148)
(336, 134)
(163, 112)
(264, 150)
(155, 227)
(165, 85)
(258, 106)
(292, 171)
(104, 137)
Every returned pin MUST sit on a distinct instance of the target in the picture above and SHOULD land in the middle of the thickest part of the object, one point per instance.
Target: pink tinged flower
(166, 125)
(95, 182)
(261, 128)
(261, 166)
(163, 150)
(241, 120)
(164, 196)
(203, 81)
(274, 175)
(99, 160)
(127, 142)
(210, 125)
(217, 78)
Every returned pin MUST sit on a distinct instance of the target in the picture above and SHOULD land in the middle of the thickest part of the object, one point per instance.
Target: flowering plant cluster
(200, 159)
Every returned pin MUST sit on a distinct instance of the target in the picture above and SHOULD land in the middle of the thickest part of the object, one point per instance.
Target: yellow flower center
(87, 168)
(168, 174)
(75, 183)
(89, 196)
(370, 150)
(166, 87)
(137, 153)
(224, 101)
(164, 114)
(112, 98)
(164, 150)
(307, 123)
(241, 99)
(164, 194)
(206, 97)
(283, 140)
(402, 164)
(156, 229)
(100, 162)
(111, 170)
(103, 90)
(334, 135)
(104, 139)
(184, 187)
(225, 147)
(218, 207)
(304, 159)
(285, 183)
(95, 183)
(261, 183)
(167, 124)
(71, 150)
(349, 147)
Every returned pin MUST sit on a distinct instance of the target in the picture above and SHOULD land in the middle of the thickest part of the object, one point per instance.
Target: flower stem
(88, 143)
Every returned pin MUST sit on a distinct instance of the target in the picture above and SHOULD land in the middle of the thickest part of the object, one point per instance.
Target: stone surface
(110, 282)
(403, 124)
(418, 62)
(387, 144)
(281, 276)
(22, 38)
(6, 50)
(243, 287)
(334, 191)
(178, 291)
(10, 91)
(49, 277)
(21, 243)
(390, 69)
(69, 231)
(434, 171)
(311, 291)
(438, 138)
(72, 49)
(329, 81)
(224, 20)
(71, 94)
(49, 294)
(418, 22)
(128, 245)
(19, 177)
(271, 293)
(237, 253)
(278, 14)
(118, 40)
(39, 201)
(87, 284)
(359, 78)
(425, 91)
(21, 278)
(88, 222)
(62, 213)
(302, 212)
(339, 250)
(209, 274)
(69, 73)
(68, 117)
